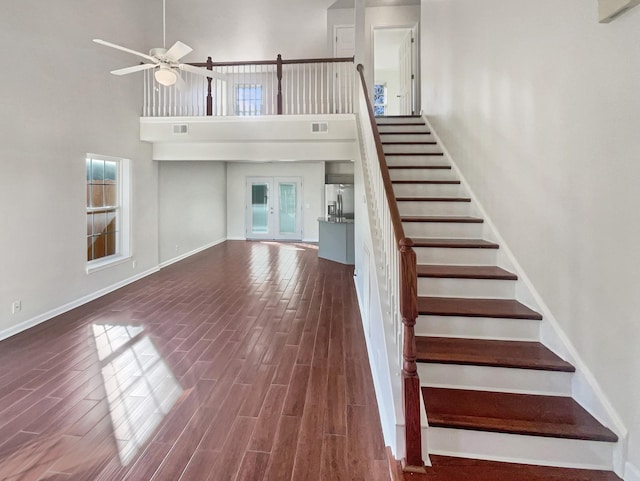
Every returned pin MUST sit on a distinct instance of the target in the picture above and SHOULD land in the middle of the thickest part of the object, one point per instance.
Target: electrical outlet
(16, 306)
(133, 264)
(177, 246)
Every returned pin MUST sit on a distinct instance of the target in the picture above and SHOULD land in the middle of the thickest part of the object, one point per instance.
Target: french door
(274, 208)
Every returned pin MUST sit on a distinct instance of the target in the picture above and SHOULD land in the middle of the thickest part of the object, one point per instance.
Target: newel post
(209, 97)
(410, 381)
(279, 74)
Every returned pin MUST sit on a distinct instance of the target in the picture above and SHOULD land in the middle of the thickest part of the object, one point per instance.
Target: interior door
(274, 208)
(405, 94)
(344, 41)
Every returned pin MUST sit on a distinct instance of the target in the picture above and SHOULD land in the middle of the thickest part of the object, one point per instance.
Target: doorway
(394, 60)
(274, 208)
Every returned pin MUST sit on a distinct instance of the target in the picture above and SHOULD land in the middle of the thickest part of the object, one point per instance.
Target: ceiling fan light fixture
(166, 76)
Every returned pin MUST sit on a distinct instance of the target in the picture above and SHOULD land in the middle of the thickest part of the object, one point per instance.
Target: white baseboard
(190, 253)
(631, 472)
(29, 323)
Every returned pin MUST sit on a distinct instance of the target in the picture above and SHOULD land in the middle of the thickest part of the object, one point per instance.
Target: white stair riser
(486, 378)
(445, 255)
(421, 174)
(410, 148)
(401, 120)
(422, 160)
(434, 208)
(428, 190)
(418, 137)
(478, 328)
(403, 128)
(481, 288)
(520, 449)
(440, 230)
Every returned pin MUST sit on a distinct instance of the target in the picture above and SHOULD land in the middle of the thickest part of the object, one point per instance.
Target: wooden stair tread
(535, 415)
(433, 199)
(485, 352)
(465, 307)
(431, 182)
(392, 124)
(449, 468)
(416, 167)
(448, 219)
(465, 272)
(410, 142)
(406, 132)
(454, 243)
(415, 153)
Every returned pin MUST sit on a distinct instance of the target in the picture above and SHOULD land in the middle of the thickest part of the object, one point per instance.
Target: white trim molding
(29, 323)
(195, 251)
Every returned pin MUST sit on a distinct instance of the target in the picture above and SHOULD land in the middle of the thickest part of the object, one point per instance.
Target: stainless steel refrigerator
(338, 199)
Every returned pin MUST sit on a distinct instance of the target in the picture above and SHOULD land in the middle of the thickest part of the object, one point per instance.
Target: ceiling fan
(165, 62)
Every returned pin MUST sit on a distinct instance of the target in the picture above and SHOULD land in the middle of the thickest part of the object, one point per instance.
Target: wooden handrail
(386, 177)
(274, 62)
(408, 292)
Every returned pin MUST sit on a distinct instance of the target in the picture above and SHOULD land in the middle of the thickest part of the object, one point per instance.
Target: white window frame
(123, 216)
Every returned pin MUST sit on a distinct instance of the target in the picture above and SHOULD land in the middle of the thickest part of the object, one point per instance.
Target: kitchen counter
(336, 239)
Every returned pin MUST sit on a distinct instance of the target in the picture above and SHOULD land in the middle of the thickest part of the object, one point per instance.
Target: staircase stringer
(585, 388)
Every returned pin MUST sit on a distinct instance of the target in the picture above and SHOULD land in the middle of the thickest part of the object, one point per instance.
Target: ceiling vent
(319, 127)
(180, 129)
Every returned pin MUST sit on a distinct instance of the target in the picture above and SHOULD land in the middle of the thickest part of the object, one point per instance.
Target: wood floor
(245, 362)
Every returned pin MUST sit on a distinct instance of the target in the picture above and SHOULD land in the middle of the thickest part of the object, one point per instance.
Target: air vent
(320, 127)
(180, 129)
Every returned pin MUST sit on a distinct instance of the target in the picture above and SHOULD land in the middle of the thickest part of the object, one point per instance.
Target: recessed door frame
(415, 68)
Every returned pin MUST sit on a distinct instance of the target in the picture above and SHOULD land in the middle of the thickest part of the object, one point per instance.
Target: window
(248, 99)
(107, 209)
(379, 99)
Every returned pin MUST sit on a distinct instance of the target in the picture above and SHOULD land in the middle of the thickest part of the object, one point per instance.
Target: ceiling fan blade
(135, 68)
(202, 71)
(177, 51)
(125, 49)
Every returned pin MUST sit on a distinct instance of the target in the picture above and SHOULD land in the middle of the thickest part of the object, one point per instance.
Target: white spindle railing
(387, 255)
(323, 86)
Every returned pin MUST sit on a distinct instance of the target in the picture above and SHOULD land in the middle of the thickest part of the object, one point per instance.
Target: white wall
(538, 104)
(312, 174)
(192, 203)
(249, 29)
(335, 17)
(58, 103)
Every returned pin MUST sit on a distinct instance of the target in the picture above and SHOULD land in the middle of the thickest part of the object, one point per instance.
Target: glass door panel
(260, 208)
(287, 201)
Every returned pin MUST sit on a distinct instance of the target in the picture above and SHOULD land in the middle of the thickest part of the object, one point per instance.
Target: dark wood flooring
(245, 362)
(444, 468)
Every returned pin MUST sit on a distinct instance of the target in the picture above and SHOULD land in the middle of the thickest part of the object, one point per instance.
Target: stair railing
(399, 269)
(263, 87)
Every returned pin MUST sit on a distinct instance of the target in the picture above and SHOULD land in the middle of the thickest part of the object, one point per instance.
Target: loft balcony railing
(264, 87)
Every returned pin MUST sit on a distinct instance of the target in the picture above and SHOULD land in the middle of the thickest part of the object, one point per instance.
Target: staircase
(491, 390)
